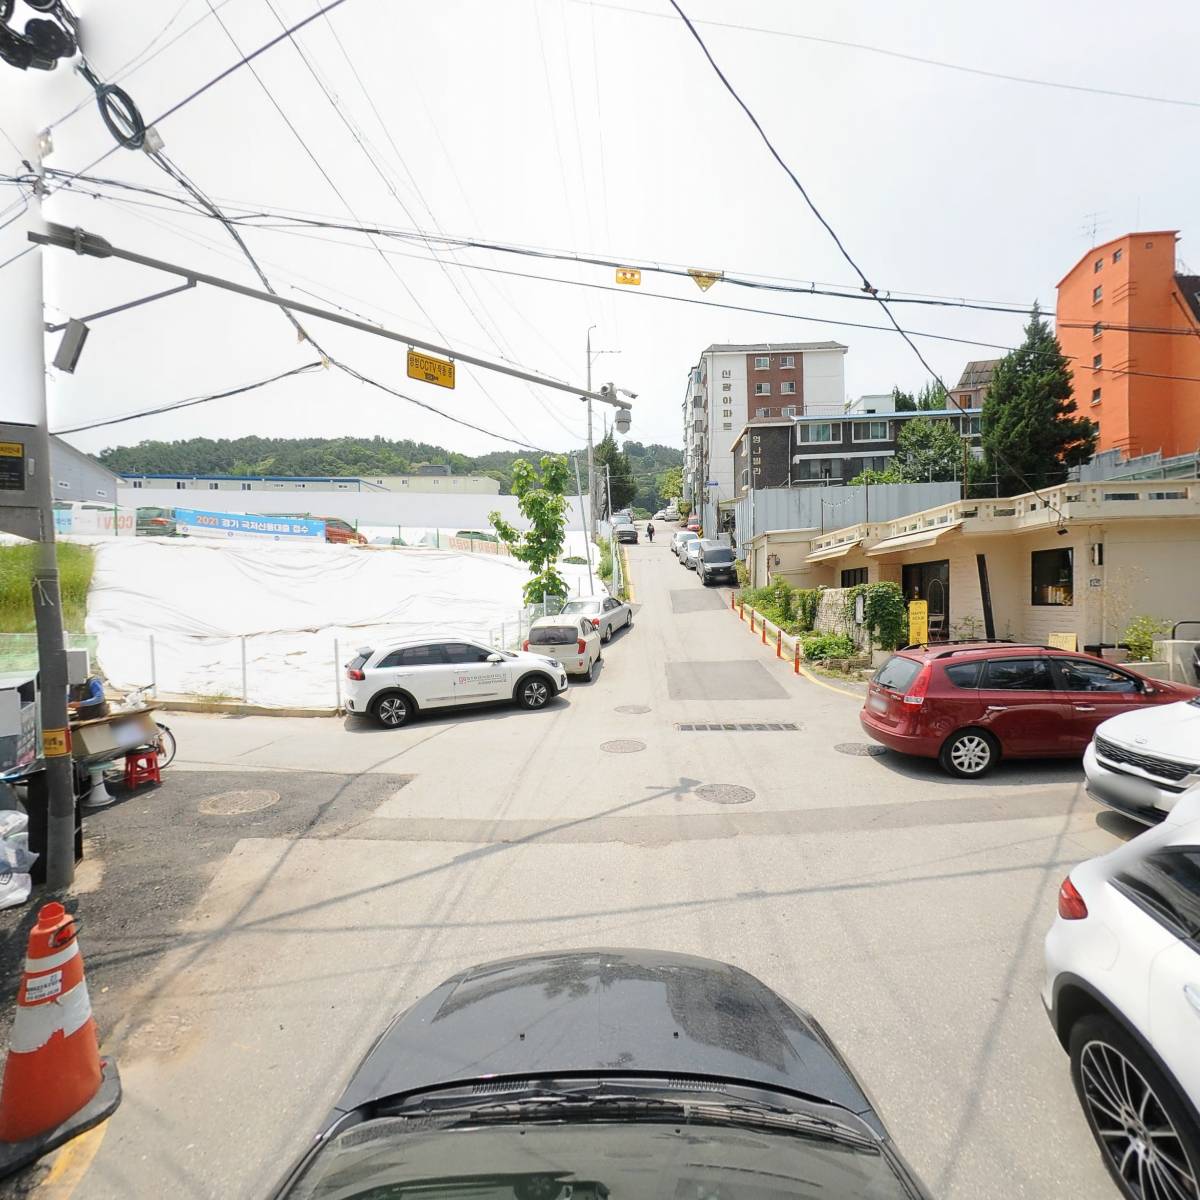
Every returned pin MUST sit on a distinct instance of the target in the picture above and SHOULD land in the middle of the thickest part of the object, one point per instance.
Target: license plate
(878, 703)
(1131, 790)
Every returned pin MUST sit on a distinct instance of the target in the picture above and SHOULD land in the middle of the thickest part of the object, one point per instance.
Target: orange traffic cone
(55, 1083)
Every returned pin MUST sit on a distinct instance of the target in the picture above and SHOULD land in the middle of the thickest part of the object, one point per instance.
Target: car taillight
(355, 673)
(580, 646)
(595, 622)
(1070, 903)
(920, 685)
(525, 644)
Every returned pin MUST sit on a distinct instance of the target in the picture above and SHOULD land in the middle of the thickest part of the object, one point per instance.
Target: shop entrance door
(930, 581)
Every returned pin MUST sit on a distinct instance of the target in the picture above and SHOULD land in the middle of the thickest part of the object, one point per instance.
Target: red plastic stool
(142, 767)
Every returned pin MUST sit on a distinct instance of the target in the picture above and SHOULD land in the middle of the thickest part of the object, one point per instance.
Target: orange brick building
(1126, 319)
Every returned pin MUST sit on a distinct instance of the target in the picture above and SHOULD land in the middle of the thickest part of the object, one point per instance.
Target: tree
(903, 401)
(543, 504)
(870, 475)
(931, 397)
(670, 484)
(928, 451)
(621, 481)
(1030, 431)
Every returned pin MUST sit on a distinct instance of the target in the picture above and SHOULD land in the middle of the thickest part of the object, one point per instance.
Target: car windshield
(682, 1151)
(581, 606)
(554, 635)
(718, 556)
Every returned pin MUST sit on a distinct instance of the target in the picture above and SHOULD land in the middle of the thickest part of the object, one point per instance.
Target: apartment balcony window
(788, 387)
(762, 389)
(1117, 256)
(869, 431)
(819, 432)
(1096, 360)
(971, 426)
(808, 469)
(1097, 294)
(1097, 265)
(762, 362)
(1095, 395)
(789, 411)
(787, 360)
(1097, 329)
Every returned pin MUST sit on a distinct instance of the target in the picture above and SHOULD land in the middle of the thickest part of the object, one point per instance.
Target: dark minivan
(717, 562)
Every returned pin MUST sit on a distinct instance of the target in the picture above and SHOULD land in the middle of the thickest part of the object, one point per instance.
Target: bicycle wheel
(165, 745)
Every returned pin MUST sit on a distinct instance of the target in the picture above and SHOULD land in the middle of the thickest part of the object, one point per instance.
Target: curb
(238, 708)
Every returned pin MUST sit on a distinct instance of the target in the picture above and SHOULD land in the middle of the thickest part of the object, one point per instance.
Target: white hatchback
(606, 613)
(573, 642)
(396, 681)
(1122, 989)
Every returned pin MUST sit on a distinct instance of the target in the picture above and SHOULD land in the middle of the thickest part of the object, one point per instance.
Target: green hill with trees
(356, 456)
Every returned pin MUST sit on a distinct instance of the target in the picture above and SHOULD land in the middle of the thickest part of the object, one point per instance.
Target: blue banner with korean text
(238, 525)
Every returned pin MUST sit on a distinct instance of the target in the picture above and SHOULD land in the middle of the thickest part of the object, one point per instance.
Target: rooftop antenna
(1092, 224)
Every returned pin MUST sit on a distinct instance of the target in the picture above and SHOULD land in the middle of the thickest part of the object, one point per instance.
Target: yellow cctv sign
(630, 276)
(424, 367)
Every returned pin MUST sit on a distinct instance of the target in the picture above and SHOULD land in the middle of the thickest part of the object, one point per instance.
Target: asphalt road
(905, 909)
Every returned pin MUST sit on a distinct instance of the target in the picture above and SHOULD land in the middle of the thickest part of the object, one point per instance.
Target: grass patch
(75, 564)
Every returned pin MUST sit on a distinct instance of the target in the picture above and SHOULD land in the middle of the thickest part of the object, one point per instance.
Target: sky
(583, 127)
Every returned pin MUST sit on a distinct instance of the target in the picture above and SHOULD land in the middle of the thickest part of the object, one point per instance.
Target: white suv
(1141, 762)
(1123, 992)
(395, 682)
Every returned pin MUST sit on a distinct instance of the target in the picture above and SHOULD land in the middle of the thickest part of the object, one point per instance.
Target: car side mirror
(495, 657)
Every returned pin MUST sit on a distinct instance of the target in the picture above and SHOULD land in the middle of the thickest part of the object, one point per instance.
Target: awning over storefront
(838, 551)
(912, 541)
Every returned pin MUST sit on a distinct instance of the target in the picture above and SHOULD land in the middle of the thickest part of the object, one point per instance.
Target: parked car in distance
(156, 522)
(594, 1073)
(396, 681)
(716, 563)
(968, 704)
(342, 533)
(606, 613)
(661, 515)
(694, 525)
(690, 555)
(679, 539)
(1122, 990)
(573, 642)
(626, 533)
(1141, 762)
(621, 518)
(670, 513)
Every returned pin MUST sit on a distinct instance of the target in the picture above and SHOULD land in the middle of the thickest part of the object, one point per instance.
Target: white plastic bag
(15, 854)
(12, 821)
(15, 887)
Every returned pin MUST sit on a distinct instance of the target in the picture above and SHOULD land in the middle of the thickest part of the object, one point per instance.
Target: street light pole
(587, 541)
(591, 458)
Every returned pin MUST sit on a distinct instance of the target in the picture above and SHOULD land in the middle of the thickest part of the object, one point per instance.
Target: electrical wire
(178, 404)
(866, 283)
(915, 58)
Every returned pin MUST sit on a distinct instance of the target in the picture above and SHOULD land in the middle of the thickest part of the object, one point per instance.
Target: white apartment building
(733, 384)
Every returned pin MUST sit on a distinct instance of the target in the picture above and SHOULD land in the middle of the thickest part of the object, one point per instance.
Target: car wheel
(606, 636)
(392, 710)
(629, 619)
(534, 692)
(591, 671)
(1149, 1142)
(969, 753)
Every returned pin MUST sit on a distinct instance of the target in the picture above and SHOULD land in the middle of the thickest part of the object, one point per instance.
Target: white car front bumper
(1134, 796)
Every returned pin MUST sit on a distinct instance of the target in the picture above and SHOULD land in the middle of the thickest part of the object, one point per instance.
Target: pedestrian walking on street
(650, 530)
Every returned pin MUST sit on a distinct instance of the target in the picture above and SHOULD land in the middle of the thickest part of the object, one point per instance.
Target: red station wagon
(968, 704)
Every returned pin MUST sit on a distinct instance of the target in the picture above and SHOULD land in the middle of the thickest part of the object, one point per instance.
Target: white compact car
(680, 538)
(606, 613)
(399, 680)
(1122, 990)
(689, 554)
(573, 642)
(1141, 762)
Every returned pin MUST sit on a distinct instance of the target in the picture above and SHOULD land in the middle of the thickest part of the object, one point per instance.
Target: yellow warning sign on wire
(430, 370)
(630, 276)
(705, 279)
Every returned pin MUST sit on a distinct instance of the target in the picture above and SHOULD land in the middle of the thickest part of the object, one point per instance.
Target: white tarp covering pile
(287, 604)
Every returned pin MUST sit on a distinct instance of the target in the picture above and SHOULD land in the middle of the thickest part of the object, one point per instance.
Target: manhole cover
(623, 746)
(635, 709)
(724, 793)
(864, 749)
(232, 804)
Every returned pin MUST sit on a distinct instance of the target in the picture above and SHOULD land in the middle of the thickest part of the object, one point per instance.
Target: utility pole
(593, 490)
(587, 541)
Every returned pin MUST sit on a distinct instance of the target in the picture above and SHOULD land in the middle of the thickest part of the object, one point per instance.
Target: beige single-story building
(1079, 559)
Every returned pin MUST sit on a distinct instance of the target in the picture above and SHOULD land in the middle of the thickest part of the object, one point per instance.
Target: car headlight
(553, 662)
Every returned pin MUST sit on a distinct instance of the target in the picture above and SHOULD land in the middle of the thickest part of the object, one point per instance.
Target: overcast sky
(597, 128)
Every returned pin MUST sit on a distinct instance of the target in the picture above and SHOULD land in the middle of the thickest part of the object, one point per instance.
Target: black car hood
(604, 1011)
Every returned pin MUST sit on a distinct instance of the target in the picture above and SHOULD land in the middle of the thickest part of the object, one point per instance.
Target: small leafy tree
(870, 475)
(903, 401)
(931, 397)
(670, 484)
(543, 503)
(1031, 431)
(928, 451)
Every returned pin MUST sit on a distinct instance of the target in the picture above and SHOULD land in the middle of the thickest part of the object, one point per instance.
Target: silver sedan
(606, 613)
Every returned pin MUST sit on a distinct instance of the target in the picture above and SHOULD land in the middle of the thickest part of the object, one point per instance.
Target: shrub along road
(904, 908)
